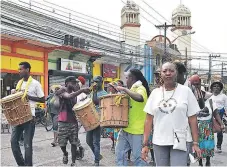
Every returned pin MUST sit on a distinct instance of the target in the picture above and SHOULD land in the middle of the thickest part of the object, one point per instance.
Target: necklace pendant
(164, 104)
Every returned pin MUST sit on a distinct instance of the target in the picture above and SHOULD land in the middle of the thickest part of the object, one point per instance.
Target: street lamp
(193, 32)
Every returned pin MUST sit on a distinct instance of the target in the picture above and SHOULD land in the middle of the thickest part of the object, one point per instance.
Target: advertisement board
(73, 66)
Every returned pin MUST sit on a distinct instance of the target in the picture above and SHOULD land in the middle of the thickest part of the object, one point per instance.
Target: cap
(82, 80)
(98, 79)
(71, 79)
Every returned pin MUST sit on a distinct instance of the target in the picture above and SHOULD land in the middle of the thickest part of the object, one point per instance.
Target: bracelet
(144, 145)
(196, 143)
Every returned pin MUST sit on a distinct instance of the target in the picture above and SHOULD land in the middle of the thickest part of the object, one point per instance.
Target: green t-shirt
(136, 114)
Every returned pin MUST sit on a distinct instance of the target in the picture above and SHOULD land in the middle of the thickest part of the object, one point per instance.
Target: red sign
(109, 71)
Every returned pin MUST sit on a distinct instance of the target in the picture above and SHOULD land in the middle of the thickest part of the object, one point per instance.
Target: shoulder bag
(216, 126)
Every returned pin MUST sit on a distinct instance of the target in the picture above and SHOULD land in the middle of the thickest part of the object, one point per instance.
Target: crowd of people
(172, 122)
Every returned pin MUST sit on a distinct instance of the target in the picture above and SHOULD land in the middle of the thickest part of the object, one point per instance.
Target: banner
(73, 66)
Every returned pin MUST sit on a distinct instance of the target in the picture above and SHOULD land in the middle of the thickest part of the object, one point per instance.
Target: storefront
(109, 72)
(63, 63)
(12, 53)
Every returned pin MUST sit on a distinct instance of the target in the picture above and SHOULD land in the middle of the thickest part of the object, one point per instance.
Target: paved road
(45, 155)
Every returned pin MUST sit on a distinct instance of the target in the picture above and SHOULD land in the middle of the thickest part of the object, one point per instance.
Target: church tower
(130, 23)
(181, 17)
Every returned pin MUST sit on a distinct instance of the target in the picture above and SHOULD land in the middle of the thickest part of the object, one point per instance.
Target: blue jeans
(17, 131)
(220, 134)
(125, 142)
(93, 140)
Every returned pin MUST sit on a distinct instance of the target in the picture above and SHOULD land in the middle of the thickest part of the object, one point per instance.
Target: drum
(85, 111)
(114, 111)
(15, 110)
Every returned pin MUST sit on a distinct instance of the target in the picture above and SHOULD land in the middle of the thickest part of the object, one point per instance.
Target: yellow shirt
(136, 114)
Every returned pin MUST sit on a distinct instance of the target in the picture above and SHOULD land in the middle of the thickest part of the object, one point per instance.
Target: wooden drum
(85, 111)
(15, 110)
(114, 111)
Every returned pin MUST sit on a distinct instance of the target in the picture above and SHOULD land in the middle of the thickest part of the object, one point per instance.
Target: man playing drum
(93, 136)
(33, 90)
(67, 122)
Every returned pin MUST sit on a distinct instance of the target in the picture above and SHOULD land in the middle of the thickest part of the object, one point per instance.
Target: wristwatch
(195, 143)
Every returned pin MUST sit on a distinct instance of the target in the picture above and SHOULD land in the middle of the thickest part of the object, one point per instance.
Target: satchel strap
(211, 105)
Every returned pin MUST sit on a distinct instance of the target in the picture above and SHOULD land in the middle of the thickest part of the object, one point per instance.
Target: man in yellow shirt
(132, 136)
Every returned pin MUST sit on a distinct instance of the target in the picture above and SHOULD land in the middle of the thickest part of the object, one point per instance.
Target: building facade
(181, 17)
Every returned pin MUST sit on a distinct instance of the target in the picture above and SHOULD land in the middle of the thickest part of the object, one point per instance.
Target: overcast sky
(208, 19)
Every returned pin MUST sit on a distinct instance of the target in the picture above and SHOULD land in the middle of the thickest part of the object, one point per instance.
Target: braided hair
(139, 77)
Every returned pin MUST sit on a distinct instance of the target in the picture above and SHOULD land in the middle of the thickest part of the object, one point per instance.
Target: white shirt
(220, 101)
(35, 90)
(165, 122)
(207, 104)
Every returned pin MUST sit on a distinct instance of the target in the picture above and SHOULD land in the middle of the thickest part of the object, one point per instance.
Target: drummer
(132, 136)
(67, 123)
(33, 90)
(93, 136)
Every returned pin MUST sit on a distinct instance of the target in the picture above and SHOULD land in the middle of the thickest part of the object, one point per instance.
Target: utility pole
(222, 73)
(186, 56)
(210, 65)
(165, 26)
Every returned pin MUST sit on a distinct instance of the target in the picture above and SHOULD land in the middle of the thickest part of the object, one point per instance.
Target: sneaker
(65, 159)
(101, 157)
(81, 152)
(73, 164)
(219, 150)
(96, 164)
(54, 144)
(208, 164)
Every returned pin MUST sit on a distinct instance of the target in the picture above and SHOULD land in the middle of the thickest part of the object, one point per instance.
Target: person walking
(131, 137)
(93, 136)
(33, 90)
(170, 108)
(220, 101)
(53, 106)
(67, 122)
(206, 134)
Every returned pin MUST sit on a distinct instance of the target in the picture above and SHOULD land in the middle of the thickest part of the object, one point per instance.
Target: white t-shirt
(185, 105)
(220, 101)
(207, 104)
(35, 90)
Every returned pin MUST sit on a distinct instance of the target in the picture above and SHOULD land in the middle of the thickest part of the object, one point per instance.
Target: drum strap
(19, 85)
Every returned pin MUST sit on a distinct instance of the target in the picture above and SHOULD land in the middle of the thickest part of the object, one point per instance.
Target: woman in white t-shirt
(169, 109)
(220, 101)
